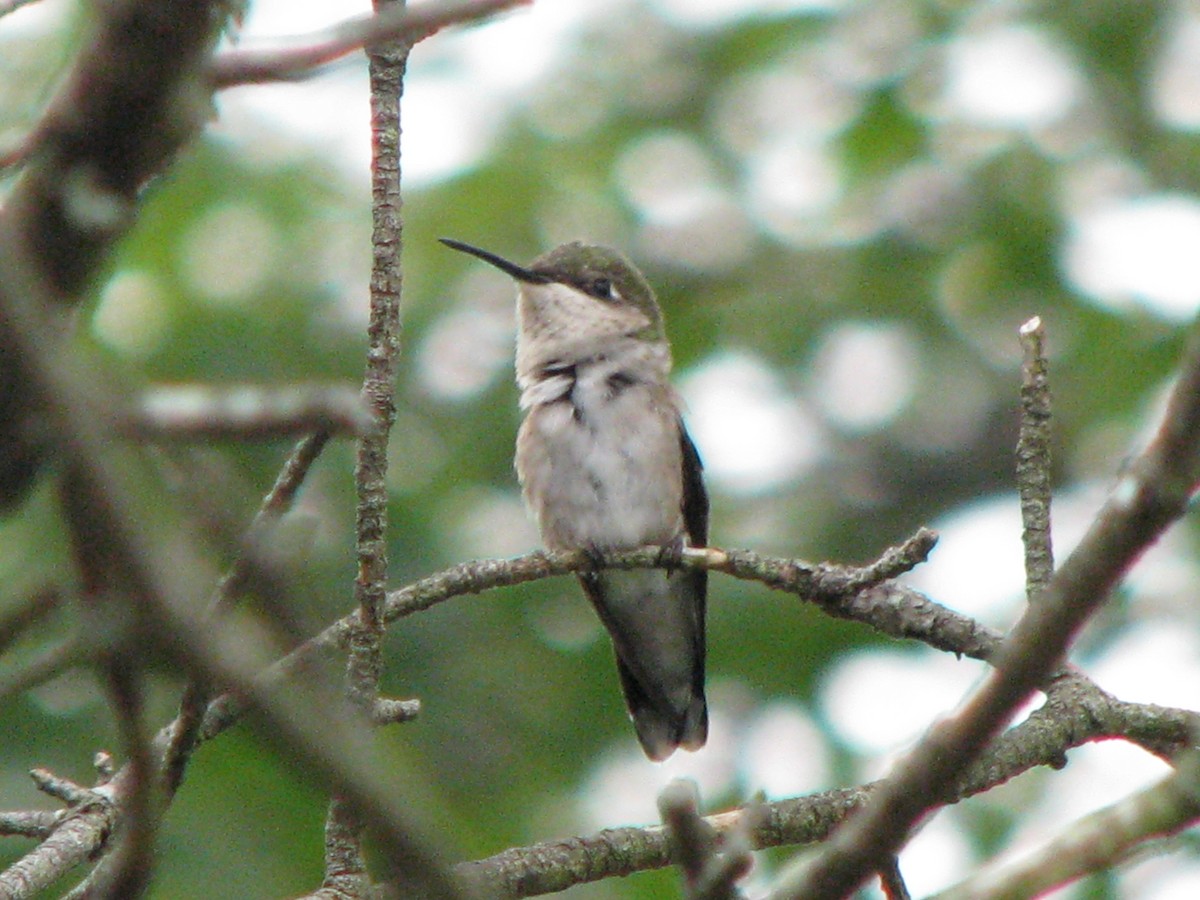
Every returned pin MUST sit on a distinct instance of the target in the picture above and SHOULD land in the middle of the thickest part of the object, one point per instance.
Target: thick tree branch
(135, 95)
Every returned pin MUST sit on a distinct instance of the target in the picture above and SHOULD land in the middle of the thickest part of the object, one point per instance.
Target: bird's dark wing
(695, 497)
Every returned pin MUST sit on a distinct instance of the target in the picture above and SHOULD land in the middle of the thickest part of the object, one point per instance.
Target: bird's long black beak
(509, 268)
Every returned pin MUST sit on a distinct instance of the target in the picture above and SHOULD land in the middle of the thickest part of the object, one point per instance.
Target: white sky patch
(1173, 876)
(865, 373)
(1141, 250)
(792, 181)
(977, 566)
(751, 433)
(939, 855)
(487, 523)
(36, 19)
(712, 235)
(689, 218)
(472, 344)
(1152, 662)
(1098, 775)
(665, 175)
(460, 84)
(878, 701)
(1014, 76)
(794, 101)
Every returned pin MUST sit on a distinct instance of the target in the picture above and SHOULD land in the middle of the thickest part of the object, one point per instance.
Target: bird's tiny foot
(670, 555)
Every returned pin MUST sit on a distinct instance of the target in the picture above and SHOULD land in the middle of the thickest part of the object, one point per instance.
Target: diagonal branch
(1153, 494)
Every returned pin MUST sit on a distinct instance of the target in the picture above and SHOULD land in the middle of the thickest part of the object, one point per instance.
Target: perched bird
(605, 464)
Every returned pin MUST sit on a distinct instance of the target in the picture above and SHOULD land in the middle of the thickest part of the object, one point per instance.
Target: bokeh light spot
(1013, 76)
(865, 373)
(231, 253)
(751, 433)
(131, 317)
(1141, 250)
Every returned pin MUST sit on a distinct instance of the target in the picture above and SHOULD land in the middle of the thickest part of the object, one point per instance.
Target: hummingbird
(605, 463)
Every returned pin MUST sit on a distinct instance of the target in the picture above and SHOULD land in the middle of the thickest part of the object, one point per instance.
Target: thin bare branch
(47, 665)
(393, 712)
(37, 823)
(709, 872)
(692, 841)
(125, 871)
(393, 23)
(64, 789)
(78, 835)
(346, 873)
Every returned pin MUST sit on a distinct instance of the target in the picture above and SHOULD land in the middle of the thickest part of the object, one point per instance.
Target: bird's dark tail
(662, 729)
(656, 623)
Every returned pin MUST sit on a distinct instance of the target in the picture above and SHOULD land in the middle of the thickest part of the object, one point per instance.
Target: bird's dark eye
(602, 288)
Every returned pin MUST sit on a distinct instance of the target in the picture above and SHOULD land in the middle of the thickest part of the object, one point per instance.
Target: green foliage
(952, 233)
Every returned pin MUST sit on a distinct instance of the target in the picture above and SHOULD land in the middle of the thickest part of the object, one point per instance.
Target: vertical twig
(383, 350)
(343, 854)
(707, 873)
(1033, 461)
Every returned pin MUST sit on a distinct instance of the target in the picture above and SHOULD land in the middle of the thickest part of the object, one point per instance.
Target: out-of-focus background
(848, 209)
